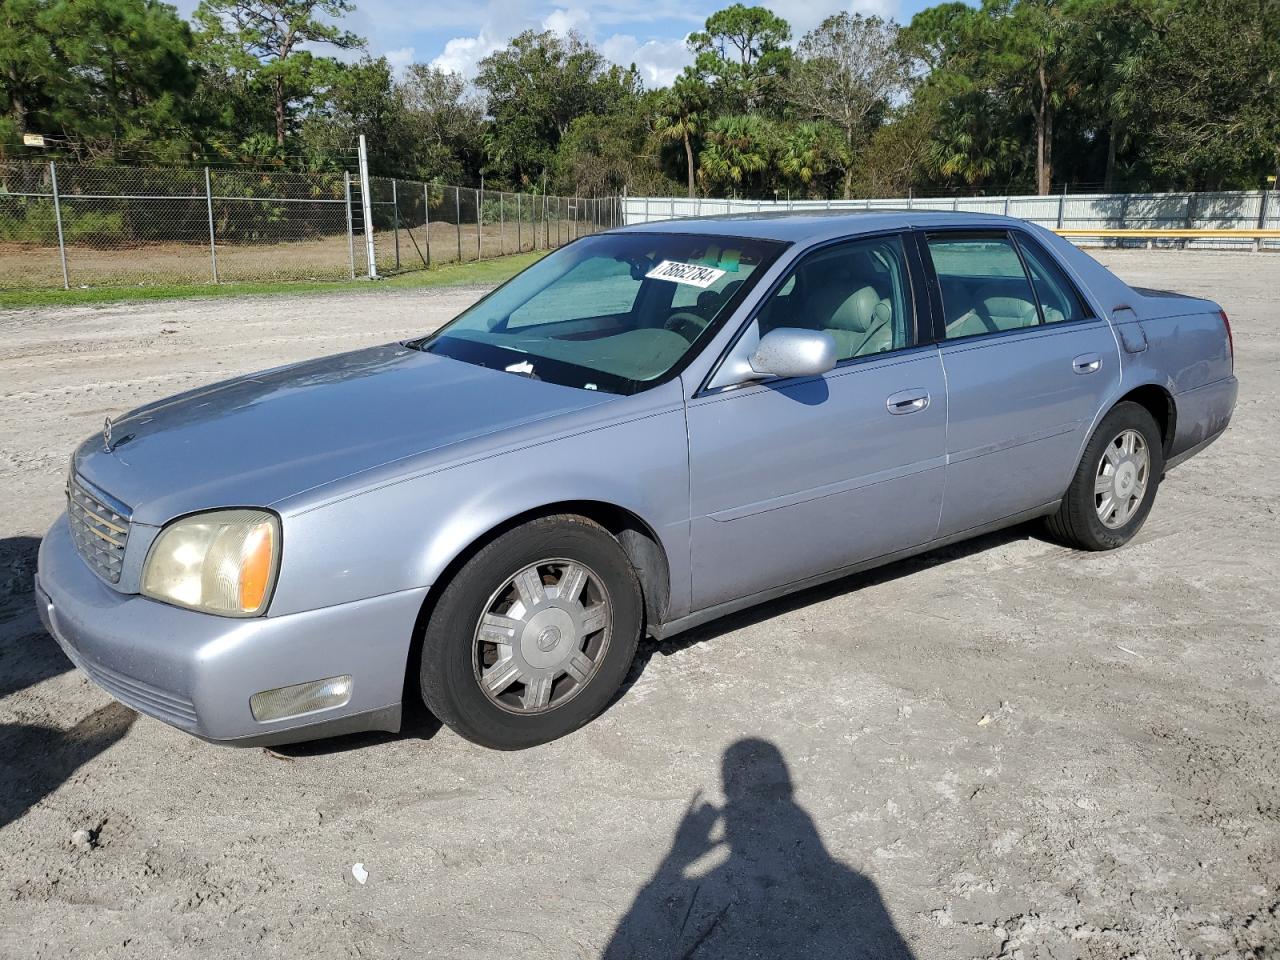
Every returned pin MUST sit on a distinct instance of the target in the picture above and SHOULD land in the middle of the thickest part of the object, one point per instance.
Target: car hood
(255, 440)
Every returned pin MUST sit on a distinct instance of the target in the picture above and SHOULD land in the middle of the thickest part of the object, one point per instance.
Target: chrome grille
(100, 529)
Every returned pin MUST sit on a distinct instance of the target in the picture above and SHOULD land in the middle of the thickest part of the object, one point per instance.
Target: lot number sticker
(695, 275)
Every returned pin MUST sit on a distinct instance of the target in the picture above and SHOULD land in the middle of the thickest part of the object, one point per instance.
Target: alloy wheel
(542, 636)
(1121, 481)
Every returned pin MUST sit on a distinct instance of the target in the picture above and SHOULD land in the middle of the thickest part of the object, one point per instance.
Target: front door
(1028, 366)
(793, 478)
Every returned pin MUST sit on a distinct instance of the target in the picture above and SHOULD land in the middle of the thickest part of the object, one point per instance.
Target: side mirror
(794, 352)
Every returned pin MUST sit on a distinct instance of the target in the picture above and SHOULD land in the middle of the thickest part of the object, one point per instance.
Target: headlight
(222, 562)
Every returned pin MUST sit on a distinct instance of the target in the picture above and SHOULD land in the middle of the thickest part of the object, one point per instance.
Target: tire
(559, 667)
(1079, 521)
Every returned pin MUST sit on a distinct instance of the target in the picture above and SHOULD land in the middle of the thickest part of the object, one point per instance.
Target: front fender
(403, 535)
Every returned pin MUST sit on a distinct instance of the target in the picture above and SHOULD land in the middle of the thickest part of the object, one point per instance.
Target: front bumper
(197, 671)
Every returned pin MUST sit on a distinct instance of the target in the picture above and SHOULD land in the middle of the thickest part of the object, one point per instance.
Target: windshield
(615, 312)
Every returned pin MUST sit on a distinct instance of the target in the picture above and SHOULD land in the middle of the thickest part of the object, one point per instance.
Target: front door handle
(908, 401)
(1087, 363)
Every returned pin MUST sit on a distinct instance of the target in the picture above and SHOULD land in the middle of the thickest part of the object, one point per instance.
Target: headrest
(998, 303)
(860, 311)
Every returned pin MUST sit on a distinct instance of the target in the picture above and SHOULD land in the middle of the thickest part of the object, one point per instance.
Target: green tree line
(1007, 96)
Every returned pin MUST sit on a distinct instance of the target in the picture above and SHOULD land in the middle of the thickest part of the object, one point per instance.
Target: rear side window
(1054, 292)
(983, 285)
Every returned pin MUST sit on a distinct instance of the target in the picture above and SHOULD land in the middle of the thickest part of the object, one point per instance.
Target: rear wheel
(1115, 484)
(533, 636)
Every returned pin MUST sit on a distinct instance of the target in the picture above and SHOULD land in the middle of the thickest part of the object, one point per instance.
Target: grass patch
(484, 273)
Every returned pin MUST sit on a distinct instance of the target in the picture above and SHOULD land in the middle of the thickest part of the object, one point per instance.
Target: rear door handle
(1087, 363)
(908, 401)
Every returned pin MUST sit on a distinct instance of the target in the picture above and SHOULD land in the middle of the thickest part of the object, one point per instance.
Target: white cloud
(399, 59)
(659, 61)
(462, 55)
(564, 20)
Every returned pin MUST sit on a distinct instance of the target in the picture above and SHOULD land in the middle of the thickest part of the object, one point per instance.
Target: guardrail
(1174, 234)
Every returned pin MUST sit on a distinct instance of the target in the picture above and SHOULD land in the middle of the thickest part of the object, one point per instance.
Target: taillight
(1231, 341)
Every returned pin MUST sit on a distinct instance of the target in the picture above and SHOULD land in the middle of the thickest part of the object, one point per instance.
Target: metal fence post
(57, 216)
(502, 223)
(426, 219)
(395, 218)
(1062, 205)
(213, 244)
(366, 209)
(1262, 220)
(351, 236)
(480, 223)
(519, 227)
(457, 217)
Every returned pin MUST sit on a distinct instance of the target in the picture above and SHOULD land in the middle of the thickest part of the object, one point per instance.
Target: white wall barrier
(1233, 210)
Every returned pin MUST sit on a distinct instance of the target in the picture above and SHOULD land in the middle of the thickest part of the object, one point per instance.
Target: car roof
(817, 225)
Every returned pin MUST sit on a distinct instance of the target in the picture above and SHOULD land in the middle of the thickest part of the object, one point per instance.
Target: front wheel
(534, 634)
(1115, 484)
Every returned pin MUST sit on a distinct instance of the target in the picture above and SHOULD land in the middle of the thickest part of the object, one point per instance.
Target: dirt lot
(1004, 749)
(328, 258)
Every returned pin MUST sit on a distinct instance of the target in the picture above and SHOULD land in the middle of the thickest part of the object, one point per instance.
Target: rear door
(1028, 366)
(793, 478)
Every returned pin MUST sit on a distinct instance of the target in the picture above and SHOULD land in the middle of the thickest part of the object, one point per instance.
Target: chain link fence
(417, 225)
(74, 225)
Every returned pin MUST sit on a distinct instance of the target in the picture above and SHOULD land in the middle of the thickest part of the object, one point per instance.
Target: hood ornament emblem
(110, 445)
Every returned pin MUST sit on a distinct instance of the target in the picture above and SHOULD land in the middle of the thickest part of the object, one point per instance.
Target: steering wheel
(688, 325)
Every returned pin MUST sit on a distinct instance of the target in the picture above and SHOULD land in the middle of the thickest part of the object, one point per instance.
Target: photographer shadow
(777, 894)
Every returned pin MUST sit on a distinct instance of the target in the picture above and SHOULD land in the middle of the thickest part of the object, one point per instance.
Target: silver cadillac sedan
(649, 428)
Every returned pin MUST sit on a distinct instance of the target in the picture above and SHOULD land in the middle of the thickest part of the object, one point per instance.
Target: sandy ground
(1003, 749)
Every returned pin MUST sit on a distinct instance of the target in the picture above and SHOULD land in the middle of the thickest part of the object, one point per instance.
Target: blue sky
(649, 33)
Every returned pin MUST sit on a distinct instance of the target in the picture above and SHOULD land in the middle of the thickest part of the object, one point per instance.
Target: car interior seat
(843, 302)
(996, 310)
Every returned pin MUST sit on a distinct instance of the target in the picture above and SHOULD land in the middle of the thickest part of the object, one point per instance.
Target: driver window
(858, 292)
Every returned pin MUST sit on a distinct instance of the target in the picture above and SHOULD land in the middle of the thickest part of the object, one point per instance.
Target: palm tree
(679, 116)
(972, 141)
(805, 154)
(736, 147)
